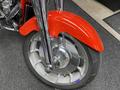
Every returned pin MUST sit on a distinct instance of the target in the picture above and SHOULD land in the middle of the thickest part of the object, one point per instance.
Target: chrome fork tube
(59, 4)
(40, 10)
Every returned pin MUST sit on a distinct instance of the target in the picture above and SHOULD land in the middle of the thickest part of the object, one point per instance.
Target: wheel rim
(70, 76)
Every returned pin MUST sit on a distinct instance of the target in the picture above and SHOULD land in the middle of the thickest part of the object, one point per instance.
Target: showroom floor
(99, 12)
(14, 74)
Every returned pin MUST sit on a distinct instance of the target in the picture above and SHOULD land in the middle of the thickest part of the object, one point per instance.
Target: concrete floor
(14, 74)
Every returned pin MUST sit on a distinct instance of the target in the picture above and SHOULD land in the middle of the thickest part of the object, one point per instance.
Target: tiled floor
(98, 12)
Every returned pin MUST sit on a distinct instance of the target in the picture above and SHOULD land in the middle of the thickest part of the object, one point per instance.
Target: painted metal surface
(62, 21)
(30, 26)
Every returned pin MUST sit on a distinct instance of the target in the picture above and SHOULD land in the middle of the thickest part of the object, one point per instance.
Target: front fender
(62, 21)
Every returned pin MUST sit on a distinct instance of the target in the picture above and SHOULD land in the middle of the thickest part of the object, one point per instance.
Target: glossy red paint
(76, 26)
(29, 26)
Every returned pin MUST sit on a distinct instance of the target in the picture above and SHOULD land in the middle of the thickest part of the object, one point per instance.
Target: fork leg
(59, 4)
(41, 14)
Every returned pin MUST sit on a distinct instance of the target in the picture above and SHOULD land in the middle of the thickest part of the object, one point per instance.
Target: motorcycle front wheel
(75, 63)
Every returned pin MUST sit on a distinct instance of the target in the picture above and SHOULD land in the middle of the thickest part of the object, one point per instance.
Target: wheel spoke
(35, 50)
(58, 76)
(71, 76)
(36, 63)
(33, 40)
(80, 71)
(75, 59)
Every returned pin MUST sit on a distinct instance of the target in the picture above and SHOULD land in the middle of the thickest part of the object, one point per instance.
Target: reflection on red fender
(62, 21)
(30, 26)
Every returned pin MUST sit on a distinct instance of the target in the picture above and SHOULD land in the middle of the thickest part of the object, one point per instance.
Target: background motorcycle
(62, 49)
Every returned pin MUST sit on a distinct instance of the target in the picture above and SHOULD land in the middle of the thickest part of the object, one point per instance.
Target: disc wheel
(75, 64)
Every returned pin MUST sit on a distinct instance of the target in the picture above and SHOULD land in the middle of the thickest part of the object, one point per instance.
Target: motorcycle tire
(93, 59)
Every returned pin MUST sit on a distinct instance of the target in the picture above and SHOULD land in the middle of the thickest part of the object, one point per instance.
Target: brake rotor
(63, 62)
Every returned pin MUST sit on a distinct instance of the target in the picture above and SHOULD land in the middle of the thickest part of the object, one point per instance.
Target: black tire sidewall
(92, 68)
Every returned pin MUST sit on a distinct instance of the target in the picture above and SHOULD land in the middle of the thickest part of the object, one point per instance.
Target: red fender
(29, 26)
(69, 23)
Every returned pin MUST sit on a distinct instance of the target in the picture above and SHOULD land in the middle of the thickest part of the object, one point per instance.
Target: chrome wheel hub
(67, 69)
(61, 57)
